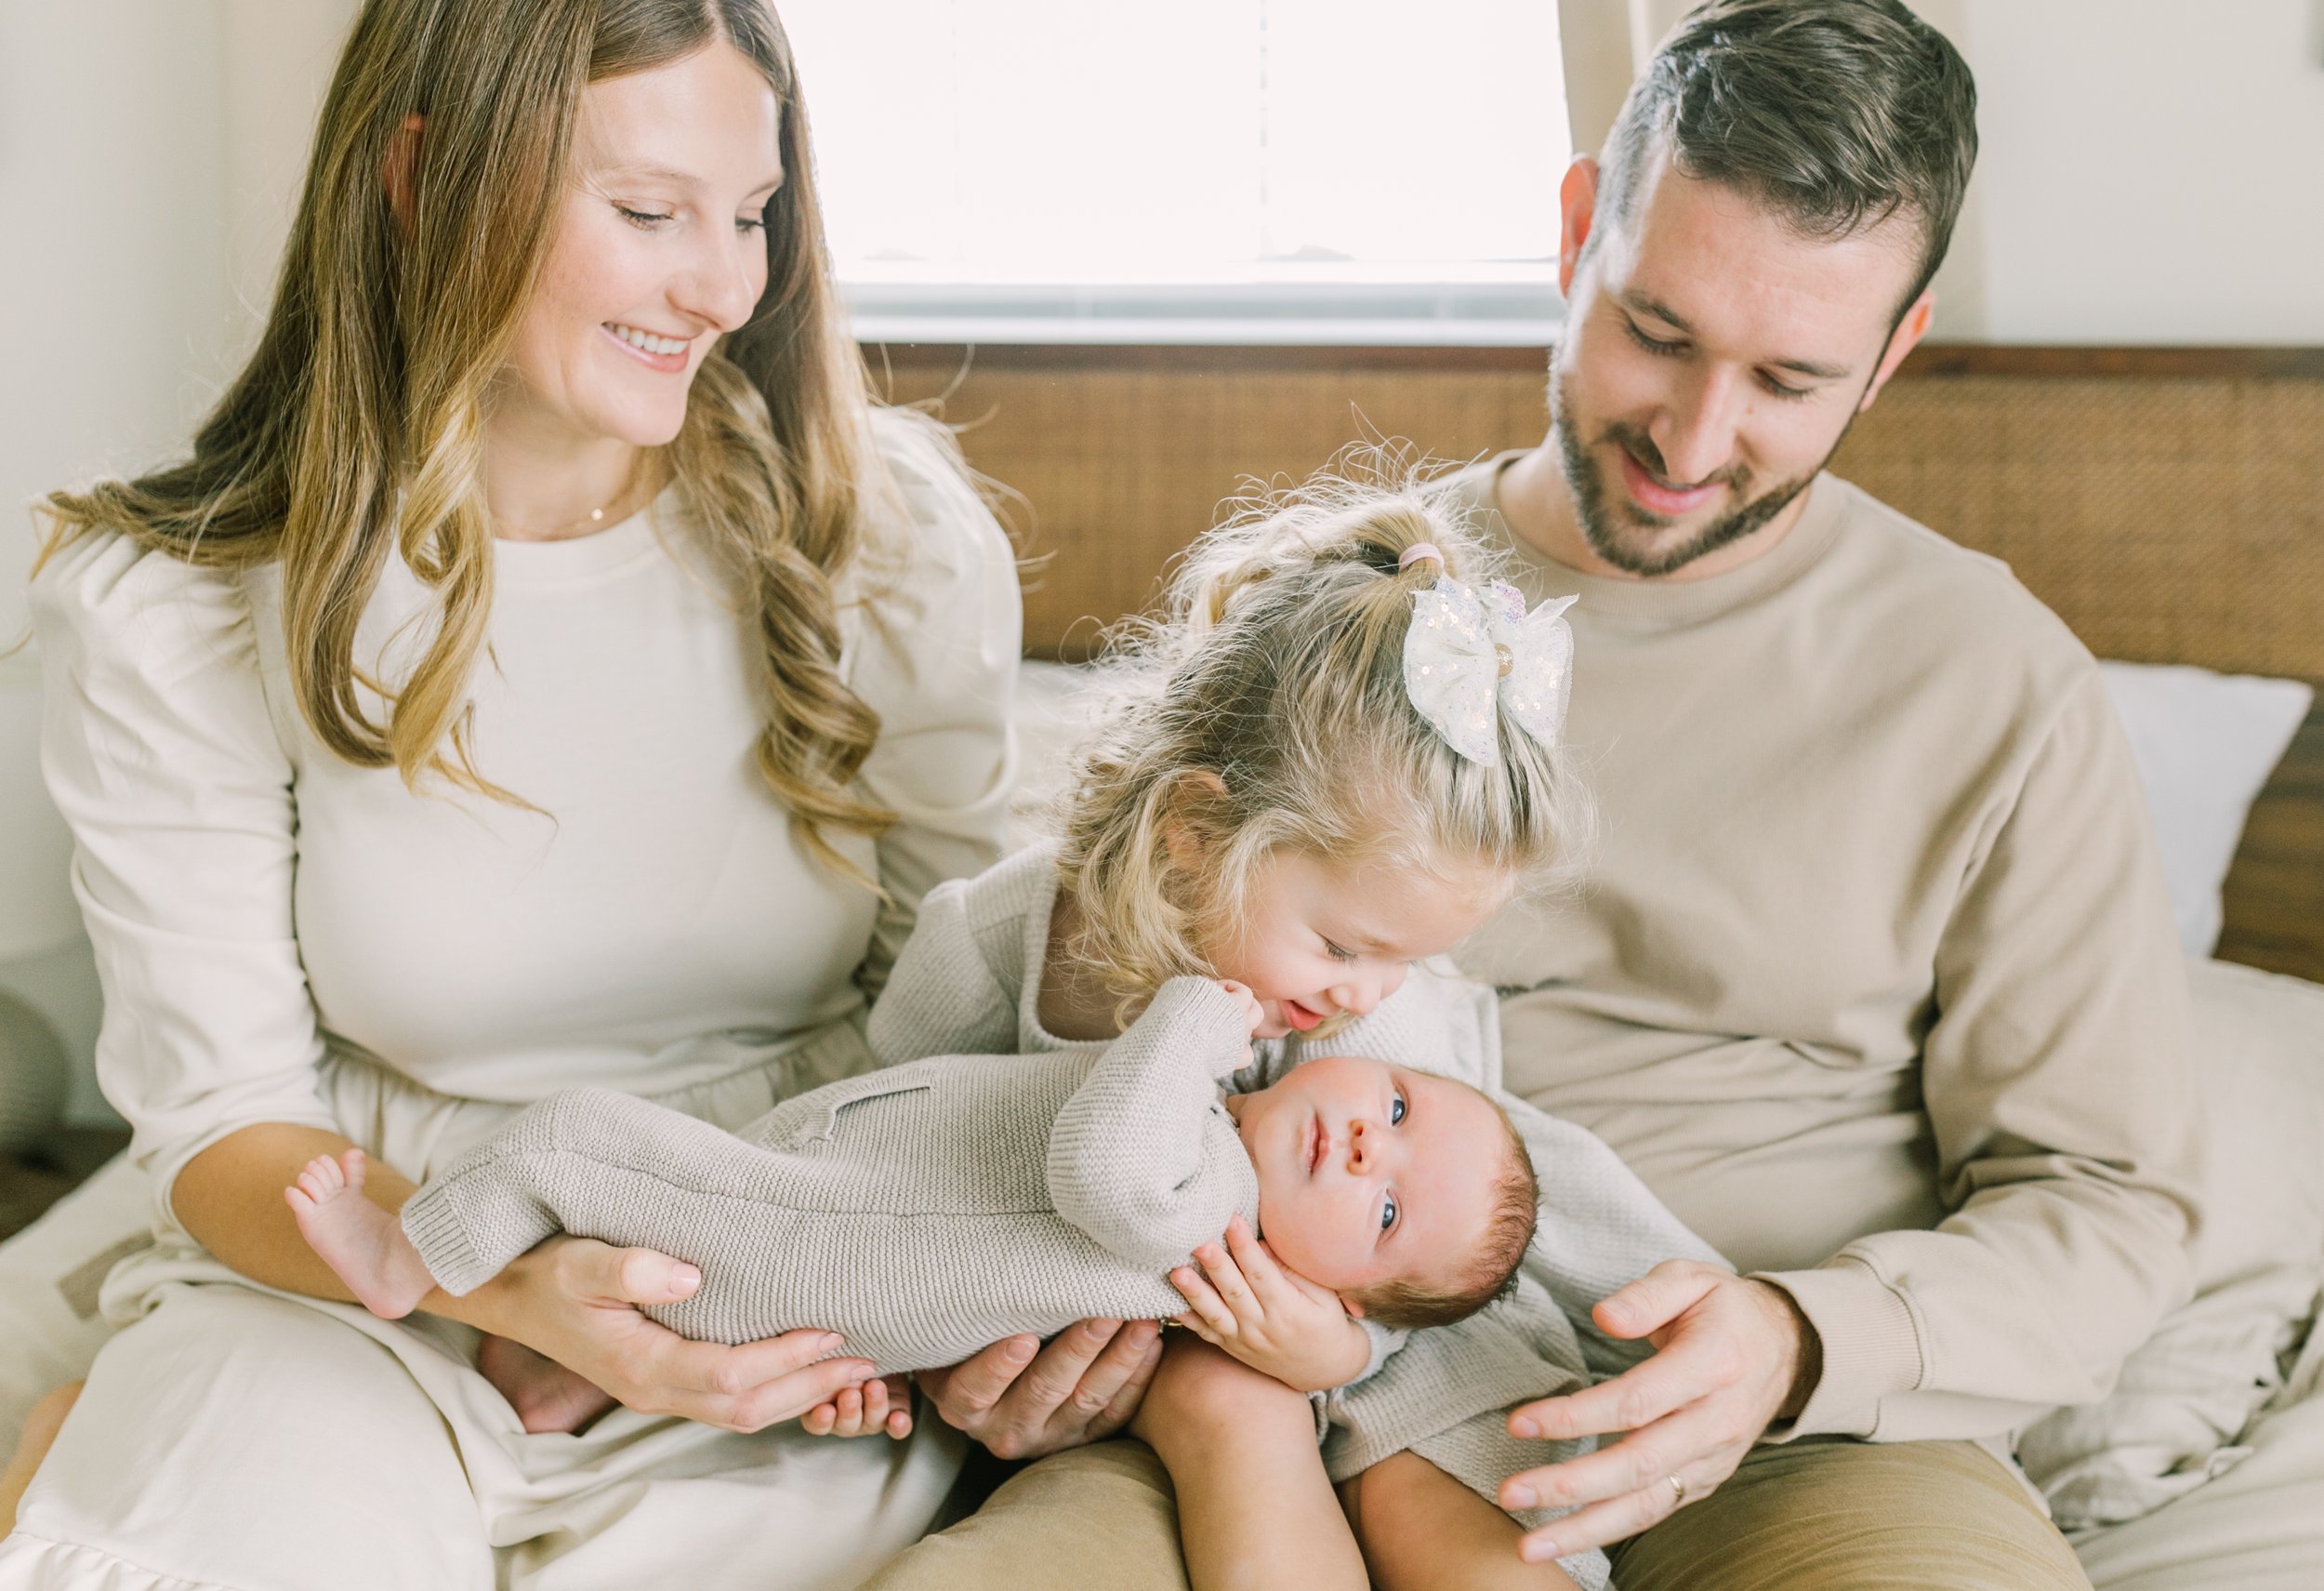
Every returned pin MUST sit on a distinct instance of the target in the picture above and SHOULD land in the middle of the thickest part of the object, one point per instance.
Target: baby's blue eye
(1396, 1110)
(1387, 1213)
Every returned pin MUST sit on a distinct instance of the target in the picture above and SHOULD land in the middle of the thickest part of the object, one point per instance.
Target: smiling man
(1875, 984)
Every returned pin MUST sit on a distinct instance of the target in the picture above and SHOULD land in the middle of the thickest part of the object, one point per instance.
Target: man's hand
(1731, 1355)
(1271, 1318)
(1020, 1403)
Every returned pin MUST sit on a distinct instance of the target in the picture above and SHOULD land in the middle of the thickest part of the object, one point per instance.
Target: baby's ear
(1355, 1310)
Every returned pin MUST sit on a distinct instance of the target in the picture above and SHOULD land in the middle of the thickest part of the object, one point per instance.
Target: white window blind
(1195, 171)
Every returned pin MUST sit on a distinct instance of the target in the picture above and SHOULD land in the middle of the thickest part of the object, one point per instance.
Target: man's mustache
(1639, 445)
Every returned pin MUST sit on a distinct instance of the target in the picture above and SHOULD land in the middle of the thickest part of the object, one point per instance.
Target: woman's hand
(1022, 1399)
(1731, 1355)
(1272, 1319)
(578, 1301)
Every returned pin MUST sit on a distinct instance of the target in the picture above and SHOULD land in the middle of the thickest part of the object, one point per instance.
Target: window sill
(1507, 306)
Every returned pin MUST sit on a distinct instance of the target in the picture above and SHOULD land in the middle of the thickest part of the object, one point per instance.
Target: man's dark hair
(1835, 114)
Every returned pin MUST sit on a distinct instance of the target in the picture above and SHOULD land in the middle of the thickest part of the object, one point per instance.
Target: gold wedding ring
(1678, 1491)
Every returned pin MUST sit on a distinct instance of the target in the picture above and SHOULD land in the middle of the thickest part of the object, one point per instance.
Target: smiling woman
(659, 251)
(547, 667)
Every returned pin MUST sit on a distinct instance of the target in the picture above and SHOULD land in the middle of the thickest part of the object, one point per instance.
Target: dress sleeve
(936, 636)
(161, 752)
(2059, 1082)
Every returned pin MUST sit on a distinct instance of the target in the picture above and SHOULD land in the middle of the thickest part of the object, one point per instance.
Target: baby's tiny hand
(1255, 1013)
(1271, 1318)
(881, 1404)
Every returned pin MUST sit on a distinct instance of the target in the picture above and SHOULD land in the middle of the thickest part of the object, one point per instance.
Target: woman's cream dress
(285, 937)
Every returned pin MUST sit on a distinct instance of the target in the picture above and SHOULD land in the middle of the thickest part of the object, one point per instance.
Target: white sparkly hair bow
(1465, 651)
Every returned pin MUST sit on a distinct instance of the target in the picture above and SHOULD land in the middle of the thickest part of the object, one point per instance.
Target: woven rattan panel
(1122, 457)
(2168, 517)
(2165, 520)
(2174, 519)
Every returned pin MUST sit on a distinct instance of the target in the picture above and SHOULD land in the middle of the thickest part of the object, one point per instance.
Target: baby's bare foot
(545, 1395)
(359, 1242)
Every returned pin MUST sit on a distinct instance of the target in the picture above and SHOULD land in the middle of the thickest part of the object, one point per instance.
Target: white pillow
(2205, 743)
(1054, 710)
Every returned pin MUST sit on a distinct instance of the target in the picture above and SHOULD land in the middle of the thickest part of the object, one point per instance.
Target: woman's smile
(670, 355)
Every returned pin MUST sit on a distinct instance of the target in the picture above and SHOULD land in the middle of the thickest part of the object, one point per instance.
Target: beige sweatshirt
(1874, 982)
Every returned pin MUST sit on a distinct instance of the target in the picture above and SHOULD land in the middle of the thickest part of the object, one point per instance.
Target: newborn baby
(927, 1210)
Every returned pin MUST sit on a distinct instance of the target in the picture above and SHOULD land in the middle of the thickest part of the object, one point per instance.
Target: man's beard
(1606, 517)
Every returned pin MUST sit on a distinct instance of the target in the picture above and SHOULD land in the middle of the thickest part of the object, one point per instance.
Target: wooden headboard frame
(2169, 503)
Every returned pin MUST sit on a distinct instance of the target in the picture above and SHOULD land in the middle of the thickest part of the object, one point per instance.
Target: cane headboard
(2169, 504)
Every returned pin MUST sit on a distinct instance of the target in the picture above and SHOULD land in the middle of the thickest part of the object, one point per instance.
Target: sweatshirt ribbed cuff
(441, 1237)
(1871, 1347)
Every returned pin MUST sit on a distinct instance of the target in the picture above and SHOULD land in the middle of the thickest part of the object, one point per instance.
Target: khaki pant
(1895, 1516)
(1811, 1515)
(1089, 1520)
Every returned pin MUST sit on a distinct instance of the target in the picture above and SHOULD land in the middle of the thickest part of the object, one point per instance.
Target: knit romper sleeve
(1144, 1157)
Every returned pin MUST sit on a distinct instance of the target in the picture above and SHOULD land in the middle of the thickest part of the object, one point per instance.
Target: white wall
(147, 151)
(2152, 171)
(114, 277)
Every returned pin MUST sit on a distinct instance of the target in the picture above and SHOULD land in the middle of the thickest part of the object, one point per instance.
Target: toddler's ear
(1355, 1310)
(1193, 801)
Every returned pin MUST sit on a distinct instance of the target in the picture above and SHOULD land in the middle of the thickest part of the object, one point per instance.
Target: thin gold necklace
(594, 521)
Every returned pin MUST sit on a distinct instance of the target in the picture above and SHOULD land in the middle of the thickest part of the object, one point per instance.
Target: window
(1189, 171)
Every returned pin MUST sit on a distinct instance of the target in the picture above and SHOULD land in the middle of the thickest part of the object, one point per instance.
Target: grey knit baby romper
(922, 1211)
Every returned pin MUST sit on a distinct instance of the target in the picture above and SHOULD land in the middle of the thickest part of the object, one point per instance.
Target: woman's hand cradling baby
(1271, 1318)
(578, 1301)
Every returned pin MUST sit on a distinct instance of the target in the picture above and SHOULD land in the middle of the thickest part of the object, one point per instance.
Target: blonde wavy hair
(355, 432)
(1266, 711)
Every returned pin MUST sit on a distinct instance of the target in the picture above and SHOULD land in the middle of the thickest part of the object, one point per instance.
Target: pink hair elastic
(1416, 552)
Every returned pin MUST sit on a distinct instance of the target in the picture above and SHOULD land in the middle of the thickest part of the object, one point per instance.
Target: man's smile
(1649, 491)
